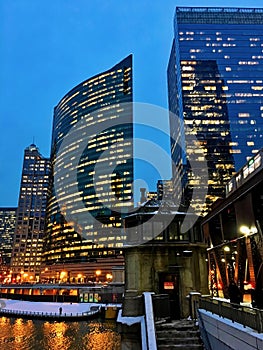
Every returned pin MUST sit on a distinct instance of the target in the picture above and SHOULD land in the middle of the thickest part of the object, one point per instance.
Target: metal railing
(149, 321)
(246, 316)
(47, 314)
(161, 306)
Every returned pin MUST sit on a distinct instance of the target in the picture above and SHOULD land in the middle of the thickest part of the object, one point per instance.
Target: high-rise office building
(28, 238)
(165, 186)
(215, 88)
(7, 230)
(81, 220)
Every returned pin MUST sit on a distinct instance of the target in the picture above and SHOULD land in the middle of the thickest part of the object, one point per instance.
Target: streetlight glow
(244, 230)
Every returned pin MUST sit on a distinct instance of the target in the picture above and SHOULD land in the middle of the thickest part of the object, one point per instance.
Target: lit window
(243, 115)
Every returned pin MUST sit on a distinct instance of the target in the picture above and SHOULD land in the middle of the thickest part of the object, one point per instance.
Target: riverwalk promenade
(51, 310)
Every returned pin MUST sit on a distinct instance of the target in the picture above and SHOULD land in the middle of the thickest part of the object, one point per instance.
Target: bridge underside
(233, 230)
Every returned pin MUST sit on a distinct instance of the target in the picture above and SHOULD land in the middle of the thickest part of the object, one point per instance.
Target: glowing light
(109, 276)
(244, 230)
(63, 274)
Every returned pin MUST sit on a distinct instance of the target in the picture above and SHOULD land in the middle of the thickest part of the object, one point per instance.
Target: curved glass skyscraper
(92, 160)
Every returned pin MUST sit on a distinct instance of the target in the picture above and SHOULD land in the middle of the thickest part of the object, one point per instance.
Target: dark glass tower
(30, 221)
(90, 186)
(215, 87)
(7, 230)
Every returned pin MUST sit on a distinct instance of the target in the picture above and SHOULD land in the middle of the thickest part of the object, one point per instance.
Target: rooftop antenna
(33, 140)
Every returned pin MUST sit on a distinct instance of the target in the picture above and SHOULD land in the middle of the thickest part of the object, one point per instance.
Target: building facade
(95, 116)
(165, 189)
(171, 262)
(7, 230)
(30, 220)
(216, 90)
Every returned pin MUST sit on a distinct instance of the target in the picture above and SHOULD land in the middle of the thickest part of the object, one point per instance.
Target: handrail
(149, 320)
(246, 316)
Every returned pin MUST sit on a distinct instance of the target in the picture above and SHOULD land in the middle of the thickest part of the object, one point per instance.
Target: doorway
(169, 284)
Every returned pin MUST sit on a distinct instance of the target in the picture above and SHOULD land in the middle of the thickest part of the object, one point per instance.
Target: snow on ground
(49, 307)
(247, 304)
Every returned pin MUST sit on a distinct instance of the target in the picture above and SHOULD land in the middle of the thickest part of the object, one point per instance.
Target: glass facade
(30, 221)
(216, 88)
(7, 230)
(80, 224)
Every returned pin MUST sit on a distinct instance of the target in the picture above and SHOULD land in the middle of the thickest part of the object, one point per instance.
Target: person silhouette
(234, 293)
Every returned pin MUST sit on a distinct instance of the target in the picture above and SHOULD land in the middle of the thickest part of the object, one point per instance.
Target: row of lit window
(97, 81)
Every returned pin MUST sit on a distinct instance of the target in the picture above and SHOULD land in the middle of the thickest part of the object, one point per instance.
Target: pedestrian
(60, 310)
(234, 294)
(257, 297)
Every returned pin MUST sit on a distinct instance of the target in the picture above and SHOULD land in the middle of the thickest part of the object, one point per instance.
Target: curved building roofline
(127, 60)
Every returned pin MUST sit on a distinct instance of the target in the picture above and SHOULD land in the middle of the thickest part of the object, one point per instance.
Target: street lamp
(109, 276)
(62, 276)
(98, 273)
(245, 230)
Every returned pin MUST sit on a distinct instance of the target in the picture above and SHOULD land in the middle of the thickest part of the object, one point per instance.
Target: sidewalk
(47, 307)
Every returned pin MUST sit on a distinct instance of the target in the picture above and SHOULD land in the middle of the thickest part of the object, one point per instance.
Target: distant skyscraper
(215, 87)
(97, 100)
(165, 186)
(7, 230)
(28, 239)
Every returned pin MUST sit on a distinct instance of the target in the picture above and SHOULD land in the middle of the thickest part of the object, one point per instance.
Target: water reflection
(18, 334)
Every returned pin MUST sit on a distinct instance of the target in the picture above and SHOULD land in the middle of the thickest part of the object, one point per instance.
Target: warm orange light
(109, 276)
(98, 272)
(63, 274)
(219, 285)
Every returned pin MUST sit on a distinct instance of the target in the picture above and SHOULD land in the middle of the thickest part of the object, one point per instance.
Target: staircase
(179, 334)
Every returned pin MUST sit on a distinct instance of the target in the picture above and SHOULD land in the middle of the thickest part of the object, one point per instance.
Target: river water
(20, 334)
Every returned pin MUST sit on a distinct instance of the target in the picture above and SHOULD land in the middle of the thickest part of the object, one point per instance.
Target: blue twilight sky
(48, 47)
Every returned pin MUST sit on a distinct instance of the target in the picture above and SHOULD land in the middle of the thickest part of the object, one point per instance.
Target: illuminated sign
(168, 285)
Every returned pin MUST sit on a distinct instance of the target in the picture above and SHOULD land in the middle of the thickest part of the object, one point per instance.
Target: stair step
(176, 333)
(179, 334)
(181, 347)
(159, 322)
(182, 327)
(178, 341)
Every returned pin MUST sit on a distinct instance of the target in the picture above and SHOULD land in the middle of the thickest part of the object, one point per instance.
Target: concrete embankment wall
(222, 334)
